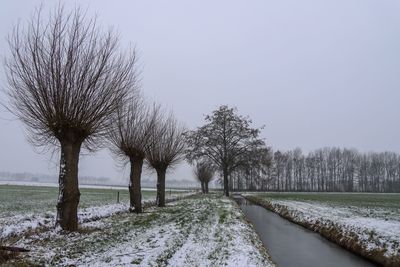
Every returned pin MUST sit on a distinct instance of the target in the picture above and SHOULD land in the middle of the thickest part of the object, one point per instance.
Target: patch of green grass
(136, 261)
(144, 220)
(222, 215)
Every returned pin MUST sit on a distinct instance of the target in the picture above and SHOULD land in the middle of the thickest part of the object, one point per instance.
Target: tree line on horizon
(329, 169)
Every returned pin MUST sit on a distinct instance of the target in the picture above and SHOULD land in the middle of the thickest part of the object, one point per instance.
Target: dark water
(291, 245)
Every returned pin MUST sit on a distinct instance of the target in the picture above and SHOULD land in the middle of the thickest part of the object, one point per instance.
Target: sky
(315, 73)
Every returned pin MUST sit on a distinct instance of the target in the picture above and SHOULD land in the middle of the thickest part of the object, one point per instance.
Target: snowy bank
(376, 238)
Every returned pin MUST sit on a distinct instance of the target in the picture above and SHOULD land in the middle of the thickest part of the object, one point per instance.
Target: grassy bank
(367, 224)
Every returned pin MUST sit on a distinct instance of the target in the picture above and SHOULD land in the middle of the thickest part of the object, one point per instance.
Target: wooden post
(117, 196)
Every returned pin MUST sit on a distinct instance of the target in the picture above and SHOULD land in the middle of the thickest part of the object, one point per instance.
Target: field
(25, 208)
(196, 231)
(370, 222)
(383, 206)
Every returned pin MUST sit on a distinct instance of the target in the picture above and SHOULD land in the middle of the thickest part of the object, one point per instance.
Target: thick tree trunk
(206, 187)
(68, 199)
(135, 193)
(161, 187)
(226, 183)
(203, 189)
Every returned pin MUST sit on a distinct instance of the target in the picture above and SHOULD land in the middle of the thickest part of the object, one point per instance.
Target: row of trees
(327, 169)
(141, 134)
(228, 145)
(74, 88)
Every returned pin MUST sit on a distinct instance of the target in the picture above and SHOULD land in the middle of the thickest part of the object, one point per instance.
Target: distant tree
(204, 172)
(129, 137)
(279, 163)
(298, 169)
(224, 139)
(66, 78)
(310, 165)
(254, 169)
(166, 148)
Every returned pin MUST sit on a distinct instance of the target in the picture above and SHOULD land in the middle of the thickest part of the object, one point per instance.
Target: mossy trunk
(135, 189)
(161, 187)
(68, 198)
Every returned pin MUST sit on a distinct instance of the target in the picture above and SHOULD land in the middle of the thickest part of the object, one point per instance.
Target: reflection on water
(291, 245)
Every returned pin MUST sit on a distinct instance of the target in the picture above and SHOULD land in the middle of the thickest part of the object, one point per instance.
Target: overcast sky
(316, 73)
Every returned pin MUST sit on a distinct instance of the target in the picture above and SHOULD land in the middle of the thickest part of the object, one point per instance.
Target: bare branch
(66, 78)
(167, 144)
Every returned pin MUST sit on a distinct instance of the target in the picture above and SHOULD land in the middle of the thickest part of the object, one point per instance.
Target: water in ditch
(291, 245)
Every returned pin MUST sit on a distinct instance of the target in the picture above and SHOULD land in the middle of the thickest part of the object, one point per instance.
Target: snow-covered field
(373, 218)
(197, 231)
(26, 208)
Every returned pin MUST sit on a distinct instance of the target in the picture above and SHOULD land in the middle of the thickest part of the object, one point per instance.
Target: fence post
(117, 196)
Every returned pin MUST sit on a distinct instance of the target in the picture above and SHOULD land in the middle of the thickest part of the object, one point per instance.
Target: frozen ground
(374, 218)
(29, 208)
(198, 231)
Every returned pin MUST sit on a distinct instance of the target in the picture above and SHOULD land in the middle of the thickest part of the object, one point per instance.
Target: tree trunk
(161, 187)
(206, 187)
(226, 182)
(203, 190)
(135, 193)
(68, 198)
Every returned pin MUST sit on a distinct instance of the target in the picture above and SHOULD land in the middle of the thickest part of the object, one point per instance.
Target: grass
(365, 200)
(17, 199)
(193, 231)
(370, 205)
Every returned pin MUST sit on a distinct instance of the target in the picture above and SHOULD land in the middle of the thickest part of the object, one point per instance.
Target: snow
(378, 229)
(198, 231)
(19, 224)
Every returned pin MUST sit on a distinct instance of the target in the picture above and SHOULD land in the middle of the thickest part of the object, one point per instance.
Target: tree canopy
(225, 139)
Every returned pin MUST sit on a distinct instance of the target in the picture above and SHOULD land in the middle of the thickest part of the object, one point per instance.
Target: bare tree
(66, 78)
(224, 139)
(204, 172)
(129, 137)
(164, 151)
